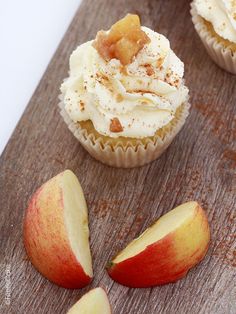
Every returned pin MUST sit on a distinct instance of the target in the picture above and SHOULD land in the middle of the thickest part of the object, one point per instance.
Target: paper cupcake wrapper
(223, 56)
(129, 156)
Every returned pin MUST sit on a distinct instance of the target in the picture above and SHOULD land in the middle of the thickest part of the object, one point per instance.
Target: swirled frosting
(142, 96)
(221, 14)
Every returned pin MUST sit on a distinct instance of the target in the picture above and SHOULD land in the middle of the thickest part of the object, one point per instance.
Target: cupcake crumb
(115, 125)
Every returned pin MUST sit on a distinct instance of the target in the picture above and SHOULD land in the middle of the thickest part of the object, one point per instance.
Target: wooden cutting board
(199, 165)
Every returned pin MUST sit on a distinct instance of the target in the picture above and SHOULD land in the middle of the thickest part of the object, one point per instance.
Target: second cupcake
(215, 23)
(125, 98)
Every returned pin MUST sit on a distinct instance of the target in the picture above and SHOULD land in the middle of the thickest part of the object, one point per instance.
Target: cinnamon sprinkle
(149, 70)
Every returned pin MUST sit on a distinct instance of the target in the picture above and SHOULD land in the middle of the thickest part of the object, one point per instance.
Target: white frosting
(222, 15)
(99, 91)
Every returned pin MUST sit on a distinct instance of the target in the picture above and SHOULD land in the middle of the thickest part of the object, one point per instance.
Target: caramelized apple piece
(139, 36)
(125, 50)
(124, 27)
(124, 40)
(104, 45)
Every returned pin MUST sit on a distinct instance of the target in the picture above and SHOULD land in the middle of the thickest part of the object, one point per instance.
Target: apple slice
(56, 234)
(166, 251)
(93, 302)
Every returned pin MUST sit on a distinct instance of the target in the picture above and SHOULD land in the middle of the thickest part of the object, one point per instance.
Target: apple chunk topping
(93, 302)
(123, 41)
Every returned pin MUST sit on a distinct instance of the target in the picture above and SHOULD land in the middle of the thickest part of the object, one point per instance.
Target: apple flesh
(166, 251)
(93, 302)
(56, 234)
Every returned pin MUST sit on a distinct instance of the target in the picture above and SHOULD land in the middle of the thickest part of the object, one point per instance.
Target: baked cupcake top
(221, 14)
(128, 81)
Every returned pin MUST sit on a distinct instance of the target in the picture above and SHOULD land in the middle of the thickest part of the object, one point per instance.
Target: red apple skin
(158, 264)
(46, 240)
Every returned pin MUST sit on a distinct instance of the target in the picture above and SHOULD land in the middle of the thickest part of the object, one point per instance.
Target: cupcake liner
(222, 55)
(131, 154)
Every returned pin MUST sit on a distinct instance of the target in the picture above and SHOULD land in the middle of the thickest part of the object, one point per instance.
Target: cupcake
(125, 98)
(215, 23)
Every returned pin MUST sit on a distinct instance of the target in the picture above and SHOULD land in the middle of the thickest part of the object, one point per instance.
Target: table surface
(199, 165)
(30, 32)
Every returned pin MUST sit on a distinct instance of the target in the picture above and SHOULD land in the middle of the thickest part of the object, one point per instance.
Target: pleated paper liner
(125, 152)
(222, 51)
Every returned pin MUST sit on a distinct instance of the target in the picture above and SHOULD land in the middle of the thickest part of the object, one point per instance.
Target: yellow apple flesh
(56, 234)
(93, 302)
(166, 251)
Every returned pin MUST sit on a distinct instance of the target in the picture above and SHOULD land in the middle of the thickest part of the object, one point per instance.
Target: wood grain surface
(199, 165)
